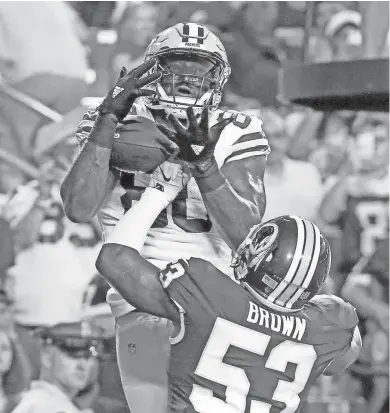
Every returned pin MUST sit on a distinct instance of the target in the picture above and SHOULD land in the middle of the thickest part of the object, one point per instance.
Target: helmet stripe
(312, 268)
(304, 263)
(200, 34)
(295, 262)
(186, 32)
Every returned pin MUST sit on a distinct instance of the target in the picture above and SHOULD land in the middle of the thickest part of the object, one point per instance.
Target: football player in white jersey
(181, 80)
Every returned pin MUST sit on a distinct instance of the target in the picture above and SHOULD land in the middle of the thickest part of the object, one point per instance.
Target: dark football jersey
(239, 356)
(366, 220)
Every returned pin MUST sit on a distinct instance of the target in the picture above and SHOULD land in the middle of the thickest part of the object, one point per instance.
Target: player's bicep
(136, 280)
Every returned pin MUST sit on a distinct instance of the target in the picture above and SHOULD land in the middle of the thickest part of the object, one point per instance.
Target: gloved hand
(197, 143)
(128, 88)
(170, 178)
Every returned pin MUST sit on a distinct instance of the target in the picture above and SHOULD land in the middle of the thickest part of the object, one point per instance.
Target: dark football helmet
(283, 262)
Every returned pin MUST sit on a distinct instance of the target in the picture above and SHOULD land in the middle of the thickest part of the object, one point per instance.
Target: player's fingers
(168, 140)
(123, 72)
(179, 128)
(147, 80)
(169, 145)
(144, 92)
(166, 131)
(192, 118)
(204, 121)
(141, 69)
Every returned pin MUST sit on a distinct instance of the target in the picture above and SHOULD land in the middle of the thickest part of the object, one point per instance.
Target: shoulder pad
(242, 138)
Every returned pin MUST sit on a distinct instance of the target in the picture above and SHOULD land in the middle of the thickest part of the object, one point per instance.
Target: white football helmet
(188, 39)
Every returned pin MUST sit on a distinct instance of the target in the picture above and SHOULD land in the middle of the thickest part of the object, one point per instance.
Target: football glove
(170, 178)
(197, 143)
(128, 88)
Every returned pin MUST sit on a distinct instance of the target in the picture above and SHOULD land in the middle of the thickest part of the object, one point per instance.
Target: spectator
(15, 373)
(91, 398)
(320, 42)
(136, 28)
(253, 51)
(67, 357)
(42, 56)
(331, 154)
(98, 312)
(367, 288)
(344, 35)
(54, 267)
(357, 202)
(7, 253)
(292, 187)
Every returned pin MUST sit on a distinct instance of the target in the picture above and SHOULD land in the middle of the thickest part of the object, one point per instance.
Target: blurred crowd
(55, 59)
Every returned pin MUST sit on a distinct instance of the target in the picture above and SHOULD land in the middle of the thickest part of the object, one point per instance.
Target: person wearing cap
(344, 35)
(68, 357)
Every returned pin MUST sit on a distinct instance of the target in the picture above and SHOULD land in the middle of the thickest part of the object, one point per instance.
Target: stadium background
(37, 144)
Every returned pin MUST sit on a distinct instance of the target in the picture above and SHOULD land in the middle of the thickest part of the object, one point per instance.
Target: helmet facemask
(194, 86)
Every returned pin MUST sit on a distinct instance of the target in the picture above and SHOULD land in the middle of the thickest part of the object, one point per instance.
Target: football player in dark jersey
(254, 345)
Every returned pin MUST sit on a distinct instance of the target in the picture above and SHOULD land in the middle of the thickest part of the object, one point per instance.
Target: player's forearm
(132, 228)
(234, 214)
(87, 183)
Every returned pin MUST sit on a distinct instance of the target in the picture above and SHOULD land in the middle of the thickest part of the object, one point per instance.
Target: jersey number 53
(212, 367)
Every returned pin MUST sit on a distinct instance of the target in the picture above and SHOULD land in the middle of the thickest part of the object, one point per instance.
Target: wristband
(103, 130)
(210, 178)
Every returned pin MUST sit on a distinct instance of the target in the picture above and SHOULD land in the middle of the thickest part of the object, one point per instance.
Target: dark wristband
(210, 178)
(103, 131)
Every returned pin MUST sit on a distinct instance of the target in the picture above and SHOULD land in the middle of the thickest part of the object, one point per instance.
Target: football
(136, 146)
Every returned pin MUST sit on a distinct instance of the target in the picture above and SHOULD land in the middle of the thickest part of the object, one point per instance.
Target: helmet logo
(194, 32)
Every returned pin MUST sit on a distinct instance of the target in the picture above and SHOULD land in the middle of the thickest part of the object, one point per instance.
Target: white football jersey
(184, 229)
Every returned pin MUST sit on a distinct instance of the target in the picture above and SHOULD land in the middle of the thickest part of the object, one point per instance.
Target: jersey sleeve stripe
(256, 150)
(255, 136)
(244, 156)
(249, 144)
